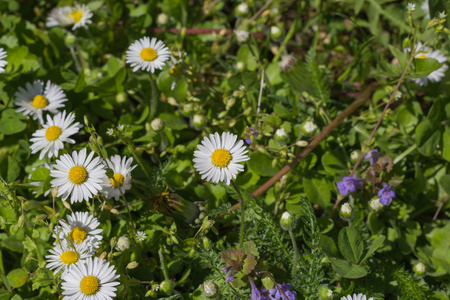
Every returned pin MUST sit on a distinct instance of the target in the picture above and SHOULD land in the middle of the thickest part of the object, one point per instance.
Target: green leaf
(329, 246)
(173, 121)
(424, 67)
(247, 79)
(10, 122)
(446, 145)
(375, 225)
(427, 137)
(249, 264)
(334, 162)
(402, 58)
(325, 224)
(317, 190)
(351, 244)
(261, 164)
(444, 182)
(9, 168)
(347, 269)
(375, 245)
(437, 112)
(250, 248)
(40, 174)
(245, 55)
(4, 294)
(17, 277)
(81, 82)
(267, 282)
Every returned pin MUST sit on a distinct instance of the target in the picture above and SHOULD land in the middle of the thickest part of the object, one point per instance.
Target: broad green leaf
(17, 277)
(317, 190)
(325, 224)
(347, 269)
(247, 79)
(9, 168)
(424, 67)
(427, 137)
(245, 55)
(375, 245)
(10, 122)
(173, 121)
(267, 282)
(375, 225)
(261, 164)
(351, 244)
(446, 145)
(334, 162)
(329, 246)
(402, 58)
(444, 182)
(437, 112)
(281, 110)
(40, 174)
(79, 86)
(4, 294)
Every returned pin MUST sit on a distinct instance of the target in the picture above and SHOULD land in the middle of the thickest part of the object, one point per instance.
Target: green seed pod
(21, 221)
(166, 286)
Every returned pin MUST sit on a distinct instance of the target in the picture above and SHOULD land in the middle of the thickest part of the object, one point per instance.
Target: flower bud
(198, 121)
(86, 121)
(166, 286)
(301, 143)
(325, 293)
(420, 268)
(241, 35)
(242, 9)
(70, 39)
(210, 289)
(132, 265)
(121, 97)
(375, 204)
(206, 243)
(123, 244)
(158, 124)
(281, 135)
(162, 19)
(240, 66)
(276, 32)
(21, 221)
(102, 256)
(286, 221)
(354, 156)
(347, 212)
(114, 211)
(308, 127)
(188, 109)
(113, 242)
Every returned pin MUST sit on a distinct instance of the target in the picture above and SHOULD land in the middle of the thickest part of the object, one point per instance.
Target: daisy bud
(102, 256)
(55, 192)
(158, 124)
(347, 212)
(166, 286)
(162, 19)
(242, 9)
(123, 244)
(21, 221)
(121, 97)
(286, 221)
(420, 269)
(276, 32)
(354, 156)
(210, 289)
(241, 35)
(206, 243)
(308, 127)
(132, 265)
(115, 211)
(86, 121)
(240, 66)
(198, 121)
(67, 205)
(301, 143)
(325, 293)
(70, 39)
(375, 204)
(281, 135)
(113, 242)
(41, 217)
(188, 109)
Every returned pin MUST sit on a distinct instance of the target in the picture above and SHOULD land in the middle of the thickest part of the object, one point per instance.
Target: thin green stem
(163, 265)
(75, 59)
(241, 235)
(154, 99)
(294, 244)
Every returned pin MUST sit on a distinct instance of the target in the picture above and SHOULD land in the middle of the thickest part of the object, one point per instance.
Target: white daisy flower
(122, 173)
(80, 227)
(141, 236)
(56, 131)
(356, 297)
(435, 76)
(3, 61)
(63, 256)
(78, 16)
(147, 54)
(36, 98)
(219, 157)
(91, 279)
(78, 176)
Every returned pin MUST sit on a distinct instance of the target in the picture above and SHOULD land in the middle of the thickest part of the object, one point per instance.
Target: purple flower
(276, 294)
(373, 155)
(256, 295)
(230, 277)
(255, 134)
(349, 184)
(386, 194)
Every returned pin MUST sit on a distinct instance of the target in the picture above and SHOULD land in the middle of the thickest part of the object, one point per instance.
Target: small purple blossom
(349, 184)
(248, 141)
(276, 294)
(256, 294)
(373, 155)
(230, 277)
(386, 194)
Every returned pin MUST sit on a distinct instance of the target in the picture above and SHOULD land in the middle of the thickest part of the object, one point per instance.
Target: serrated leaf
(249, 264)
(347, 269)
(351, 244)
(250, 248)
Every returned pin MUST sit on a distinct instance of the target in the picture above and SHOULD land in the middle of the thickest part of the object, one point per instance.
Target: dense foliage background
(342, 51)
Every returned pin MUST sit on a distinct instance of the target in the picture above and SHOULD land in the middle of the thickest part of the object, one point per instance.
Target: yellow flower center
(76, 15)
(172, 70)
(422, 56)
(52, 133)
(78, 234)
(69, 257)
(39, 101)
(119, 179)
(221, 157)
(77, 174)
(89, 285)
(148, 54)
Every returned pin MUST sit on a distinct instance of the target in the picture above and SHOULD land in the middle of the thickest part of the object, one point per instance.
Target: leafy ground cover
(224, 150)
